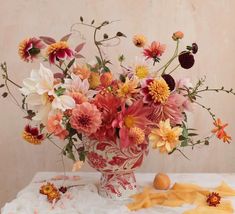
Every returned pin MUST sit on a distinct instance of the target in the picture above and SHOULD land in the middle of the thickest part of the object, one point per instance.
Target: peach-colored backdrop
(209, 22)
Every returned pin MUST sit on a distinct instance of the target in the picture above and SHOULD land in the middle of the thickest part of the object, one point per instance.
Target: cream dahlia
(165, 138)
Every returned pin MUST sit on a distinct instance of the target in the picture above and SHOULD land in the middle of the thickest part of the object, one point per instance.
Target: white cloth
(85, 199)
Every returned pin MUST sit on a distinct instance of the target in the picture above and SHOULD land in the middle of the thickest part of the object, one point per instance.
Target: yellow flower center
(57, 46)
(129, 121)
(170, 137)
(159, 90)
(30, 138)
(141, 71)
(137, 135)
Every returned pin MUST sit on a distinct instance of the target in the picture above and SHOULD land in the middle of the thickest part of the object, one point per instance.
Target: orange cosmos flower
(220, 132)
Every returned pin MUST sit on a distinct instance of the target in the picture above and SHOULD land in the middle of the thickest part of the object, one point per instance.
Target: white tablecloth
(85, 200)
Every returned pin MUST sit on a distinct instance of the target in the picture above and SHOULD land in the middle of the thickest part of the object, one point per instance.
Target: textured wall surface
(209, 22)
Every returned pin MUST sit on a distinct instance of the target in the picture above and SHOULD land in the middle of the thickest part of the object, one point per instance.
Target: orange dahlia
(59, 51)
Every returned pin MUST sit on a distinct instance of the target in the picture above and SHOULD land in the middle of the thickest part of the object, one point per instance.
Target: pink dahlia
(154, 51)
(54, 125)
(86, 118)
(30, 48)
(172, 110)
(129, 119)
(59, 51)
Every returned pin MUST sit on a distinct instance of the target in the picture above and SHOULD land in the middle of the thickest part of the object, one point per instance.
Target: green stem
(171, 59)
(174, 69)
(207, 109)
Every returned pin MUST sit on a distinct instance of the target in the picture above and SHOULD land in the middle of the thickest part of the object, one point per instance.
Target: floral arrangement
(68, 97)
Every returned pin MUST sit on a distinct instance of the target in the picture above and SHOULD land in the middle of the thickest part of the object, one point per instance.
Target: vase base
(117, 186)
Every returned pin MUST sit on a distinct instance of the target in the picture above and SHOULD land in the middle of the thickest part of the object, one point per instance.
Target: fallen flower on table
(181, 194)
(52, 193)
(213, 199)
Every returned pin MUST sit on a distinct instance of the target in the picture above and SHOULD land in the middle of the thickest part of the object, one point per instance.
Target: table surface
(85, 199)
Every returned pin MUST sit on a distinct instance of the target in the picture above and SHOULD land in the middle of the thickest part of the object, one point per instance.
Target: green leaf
(98, 60)
(60, 91)
(192, 134)
(71, 63)
(184, 143)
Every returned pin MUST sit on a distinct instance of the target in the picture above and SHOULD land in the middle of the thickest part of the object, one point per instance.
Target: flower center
(159, 91)
(137, 135)
(170, 137)
(141, 71)
(84, 120)
(129, 121)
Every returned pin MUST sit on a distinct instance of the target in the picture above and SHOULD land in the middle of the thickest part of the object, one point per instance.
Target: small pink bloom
(171, 110)
(54, 126)
(86, 118)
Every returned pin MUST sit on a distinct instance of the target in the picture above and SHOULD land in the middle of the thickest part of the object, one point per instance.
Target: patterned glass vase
(117, 166)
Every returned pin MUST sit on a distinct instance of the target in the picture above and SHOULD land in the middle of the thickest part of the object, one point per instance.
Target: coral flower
(78, 97)
(139, 41)
(59, 51)
(177, 35)
(106, 79)
(155, 90)
(134, 116)
(86, 118)
(165, 137)
(220, 132)
(54, 125)
(82, 71)
(127, 89)
(171, 110)
(30, 48)
(154, 51)
(32, 135)
(108, 104)
(137, 135)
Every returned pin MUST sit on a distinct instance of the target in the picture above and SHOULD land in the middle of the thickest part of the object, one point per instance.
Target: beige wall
(209, 22)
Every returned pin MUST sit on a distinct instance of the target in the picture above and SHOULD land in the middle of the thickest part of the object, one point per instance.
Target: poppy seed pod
(169, 80)
(186, 59)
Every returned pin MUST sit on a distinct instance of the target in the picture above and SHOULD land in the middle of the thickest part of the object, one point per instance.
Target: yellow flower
(165, 137)
(94, 80)
(159, 90)
(139, 40)
(141, 71)
(128, 88)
